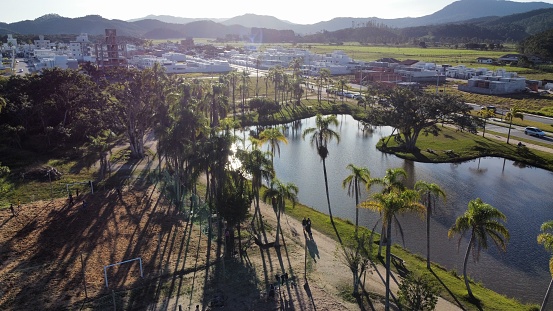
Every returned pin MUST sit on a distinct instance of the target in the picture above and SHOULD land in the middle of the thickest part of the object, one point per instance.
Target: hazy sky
(300, 12)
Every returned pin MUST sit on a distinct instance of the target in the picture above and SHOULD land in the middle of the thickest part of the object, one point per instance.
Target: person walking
(304, 224)
(12, 209)
(308, 228)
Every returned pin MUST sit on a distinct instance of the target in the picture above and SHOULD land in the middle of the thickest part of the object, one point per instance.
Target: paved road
(516, 132)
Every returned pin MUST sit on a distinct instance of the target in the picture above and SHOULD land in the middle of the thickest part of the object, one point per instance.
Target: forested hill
(512, 28)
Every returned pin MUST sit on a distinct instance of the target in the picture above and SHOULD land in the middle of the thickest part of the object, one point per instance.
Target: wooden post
(114, 304)
(84, 277)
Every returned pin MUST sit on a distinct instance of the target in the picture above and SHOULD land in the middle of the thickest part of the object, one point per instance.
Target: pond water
(522, 193)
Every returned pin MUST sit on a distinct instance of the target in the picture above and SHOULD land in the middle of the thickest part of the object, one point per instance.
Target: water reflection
(522, 193)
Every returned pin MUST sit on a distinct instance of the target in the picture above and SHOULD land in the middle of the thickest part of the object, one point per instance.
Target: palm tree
(546, 238)
(258, 165)
(483, 222)
(514, 112)
(321, 134)
(429, 192)
(324, 74)
(277, 194)
(272, 136)
(353, 181)
(390, 205)
(391, 182)
(485, 113)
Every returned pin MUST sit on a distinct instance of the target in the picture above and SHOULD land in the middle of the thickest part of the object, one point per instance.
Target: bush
(264, 106)
(418, 292)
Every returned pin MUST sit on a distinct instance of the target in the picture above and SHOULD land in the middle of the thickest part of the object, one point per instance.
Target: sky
(299, 12)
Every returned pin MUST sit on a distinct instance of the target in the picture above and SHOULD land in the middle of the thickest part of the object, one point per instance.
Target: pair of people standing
(306, 223)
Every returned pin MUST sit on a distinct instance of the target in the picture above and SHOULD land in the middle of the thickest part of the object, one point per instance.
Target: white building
(60, 61)
(41, 43)
(81, 48)
(176, 57)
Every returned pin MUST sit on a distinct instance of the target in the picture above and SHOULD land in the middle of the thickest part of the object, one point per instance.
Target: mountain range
(489, 14)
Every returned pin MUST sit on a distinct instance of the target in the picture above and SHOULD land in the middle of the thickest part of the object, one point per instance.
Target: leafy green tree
(390, 205)
(514, 112)
(482, 221)
(321, 134)
(135, 101)
(418, 292)
(413, 112)
(358, 176)
(428, 192)
(540, 44)
(546, 239)
(485, 113)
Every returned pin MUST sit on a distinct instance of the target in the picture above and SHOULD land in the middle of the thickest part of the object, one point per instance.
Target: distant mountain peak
(48, 17)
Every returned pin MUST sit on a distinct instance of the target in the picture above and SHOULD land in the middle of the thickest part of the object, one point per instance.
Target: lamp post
(437, 80)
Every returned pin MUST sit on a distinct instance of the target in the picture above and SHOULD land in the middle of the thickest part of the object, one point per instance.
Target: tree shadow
(448, 290)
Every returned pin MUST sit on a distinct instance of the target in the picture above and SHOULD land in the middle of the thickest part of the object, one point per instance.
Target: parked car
(534, 131)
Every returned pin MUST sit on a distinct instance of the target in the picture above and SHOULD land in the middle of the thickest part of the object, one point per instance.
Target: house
(485, 60)
(510, 58)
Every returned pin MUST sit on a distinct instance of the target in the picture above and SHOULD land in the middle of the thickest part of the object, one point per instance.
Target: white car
(534, 131)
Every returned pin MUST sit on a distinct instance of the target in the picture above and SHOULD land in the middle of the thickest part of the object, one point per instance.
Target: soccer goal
(88, 183)
(120, 263)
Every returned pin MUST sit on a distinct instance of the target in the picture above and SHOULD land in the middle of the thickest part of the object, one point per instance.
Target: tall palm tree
(429, 192)
(325, 74)
(514, 112)
(358, 176)
(273, 136)
(321, 134)
(392, 181)
(482, 221)
(390, 205)
(485, 113)
(546, 238)
(277, 194)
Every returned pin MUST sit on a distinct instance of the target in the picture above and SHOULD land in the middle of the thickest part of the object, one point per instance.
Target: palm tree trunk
(278, 205)
(546, 298)
(428, 213)
(509, 134)
(388, 256)
(356, 209)
(484, 131)
(328, 202)
(465, 266)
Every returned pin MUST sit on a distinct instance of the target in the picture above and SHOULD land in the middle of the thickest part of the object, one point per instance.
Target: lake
(521, 192)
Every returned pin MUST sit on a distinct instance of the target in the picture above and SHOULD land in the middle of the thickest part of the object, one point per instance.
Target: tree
(358, 176)
(485, 113)
(514, 112)
(277, 194)
(429, 192)
(321, 134)
(392, 181)
(273, 136)
(390, 205)
(356, 254)
(418, 292)
(260, 167)
(135, 101)
(482, 221)
(234, 200)
(413, 112)
(546, 239)
(324, 75)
